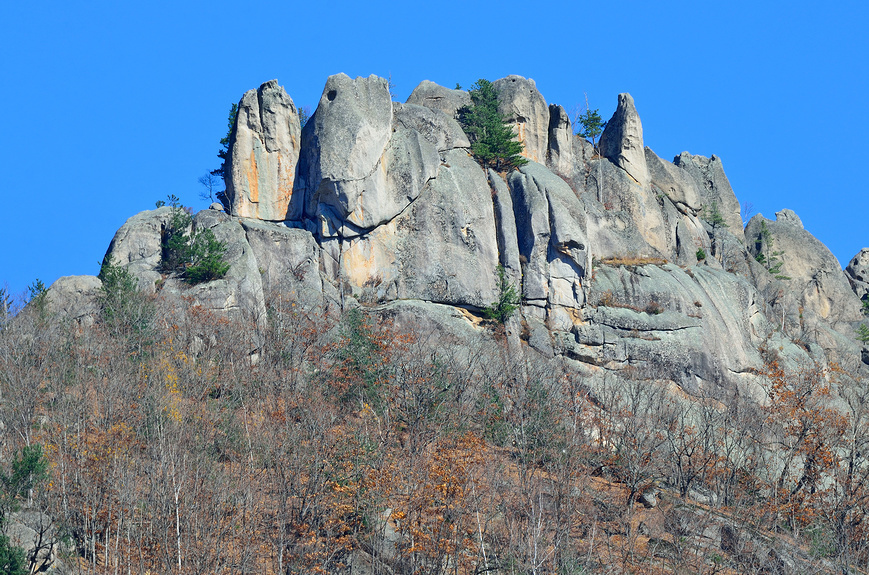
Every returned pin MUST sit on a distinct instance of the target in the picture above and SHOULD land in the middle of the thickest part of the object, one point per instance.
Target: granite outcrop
(627, 263)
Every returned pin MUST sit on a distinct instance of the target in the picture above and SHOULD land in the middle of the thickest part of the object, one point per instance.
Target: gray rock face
(560, 156)
(622, 141)
(360, 174)
(858, 274)
(240, 292)
(137, 246)
(524, 106)
(550, 222)
(632, 221)
(714, 187)
(505, 225)
(678, 186)
(441, 249)
(436, 97)
(76, 298)
(439, 129)
(789, 217)
(288, 260)
(263, 154)
(815, 276)
(36, 534)
(702, 328)
(390, 212)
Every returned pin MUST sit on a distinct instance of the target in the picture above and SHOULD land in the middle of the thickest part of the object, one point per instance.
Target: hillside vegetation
(361, 445)
(445, 336)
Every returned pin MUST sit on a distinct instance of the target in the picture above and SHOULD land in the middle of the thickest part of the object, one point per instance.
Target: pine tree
(491, 137)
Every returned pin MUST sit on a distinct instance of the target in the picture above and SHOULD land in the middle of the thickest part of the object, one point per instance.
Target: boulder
(439, 129)
(37, 535)
(431, 95)
(526, 109)
(714, 188)
(560, 156)
(789, 218)
(263, 154)
(239, 293)
(813, 272)
(622, 141)
(75, 298)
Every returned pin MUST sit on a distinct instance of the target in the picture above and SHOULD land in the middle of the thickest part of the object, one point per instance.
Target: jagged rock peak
(263, 153)
(622, 140)
(525, 108)
(560, 156)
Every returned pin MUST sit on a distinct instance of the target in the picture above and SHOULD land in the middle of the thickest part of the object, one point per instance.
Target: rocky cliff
(627, 263)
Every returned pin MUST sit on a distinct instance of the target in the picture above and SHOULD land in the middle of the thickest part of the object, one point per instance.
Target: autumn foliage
(196, 443)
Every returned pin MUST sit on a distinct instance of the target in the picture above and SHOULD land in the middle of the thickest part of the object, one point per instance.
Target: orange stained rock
(253, 178)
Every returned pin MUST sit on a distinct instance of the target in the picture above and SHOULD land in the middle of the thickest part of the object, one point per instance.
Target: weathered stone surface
(432, 124)
(673, 182)
(29, 529)
(714, 187)
(560, 156)
(702, 329)
(789, 217)
(524, 107)
(288, 260)
(263, 154)
(437, 97)
(343, 144)
(441, 249)
(858, 274)
(815, 276)
(76, 298)
(389, 212)
(239, 293)
(622, 141)
(137, 247)
(505, 222)
(550, 223)
(631, 221)
(531, 208)
(356, 191)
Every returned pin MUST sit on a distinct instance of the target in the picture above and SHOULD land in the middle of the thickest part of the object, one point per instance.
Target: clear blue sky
(111, 106)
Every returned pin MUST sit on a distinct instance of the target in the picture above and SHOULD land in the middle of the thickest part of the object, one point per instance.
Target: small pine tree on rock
(492, 138)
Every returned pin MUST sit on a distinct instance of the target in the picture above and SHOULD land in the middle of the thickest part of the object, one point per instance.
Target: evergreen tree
(491, 137)
(223, 152)
(591, 124)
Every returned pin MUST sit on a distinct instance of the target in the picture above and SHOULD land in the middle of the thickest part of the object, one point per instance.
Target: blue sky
(111, 106)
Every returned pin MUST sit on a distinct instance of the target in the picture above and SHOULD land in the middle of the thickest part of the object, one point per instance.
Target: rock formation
(264, 150)
(621, 265)
(622, 141)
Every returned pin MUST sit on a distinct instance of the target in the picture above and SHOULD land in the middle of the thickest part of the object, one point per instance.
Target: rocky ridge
(379, 204)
